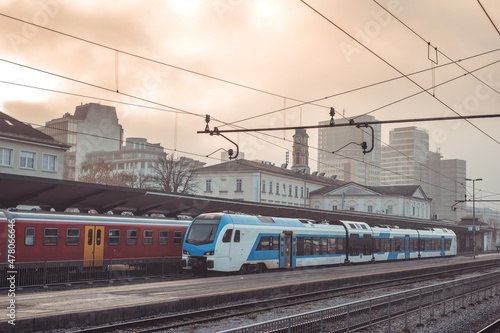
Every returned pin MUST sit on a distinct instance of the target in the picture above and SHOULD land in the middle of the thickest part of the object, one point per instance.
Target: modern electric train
(226, 242)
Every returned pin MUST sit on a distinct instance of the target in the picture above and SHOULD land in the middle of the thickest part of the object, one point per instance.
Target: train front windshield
(203, 231)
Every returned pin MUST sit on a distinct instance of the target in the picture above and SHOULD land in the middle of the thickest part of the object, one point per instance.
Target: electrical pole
(474, 212)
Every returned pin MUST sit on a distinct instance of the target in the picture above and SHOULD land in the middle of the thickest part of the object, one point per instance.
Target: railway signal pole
(474, 212)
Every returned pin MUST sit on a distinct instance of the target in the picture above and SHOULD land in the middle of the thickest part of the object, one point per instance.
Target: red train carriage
(91, 239)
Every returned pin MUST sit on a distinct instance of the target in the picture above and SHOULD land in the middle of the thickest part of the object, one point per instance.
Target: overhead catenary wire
(393, 67)
(484, 10)
(437, 51)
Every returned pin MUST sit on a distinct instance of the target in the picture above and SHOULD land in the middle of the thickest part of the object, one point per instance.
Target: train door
(287, 249)
(407, 247)
(94, 246)
(442, 245)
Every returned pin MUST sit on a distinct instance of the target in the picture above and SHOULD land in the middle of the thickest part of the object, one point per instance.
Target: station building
(26, 151)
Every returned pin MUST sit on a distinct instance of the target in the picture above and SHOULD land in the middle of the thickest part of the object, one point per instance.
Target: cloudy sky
(239, 59)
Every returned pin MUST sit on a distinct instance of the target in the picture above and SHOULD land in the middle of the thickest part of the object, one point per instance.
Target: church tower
(300, 155)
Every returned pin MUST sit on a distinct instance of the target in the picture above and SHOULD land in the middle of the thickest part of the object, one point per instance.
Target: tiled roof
(407, 190)
(15, 129)
(245, 165)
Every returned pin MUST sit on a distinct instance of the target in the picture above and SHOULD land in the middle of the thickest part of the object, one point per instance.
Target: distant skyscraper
(93, 127)
(408, 161)
(341, 155)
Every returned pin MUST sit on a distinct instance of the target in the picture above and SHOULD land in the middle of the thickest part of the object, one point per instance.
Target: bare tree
(176, 175)
(102, 172)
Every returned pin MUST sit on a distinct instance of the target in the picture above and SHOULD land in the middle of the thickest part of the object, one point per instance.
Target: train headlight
(210, 253)
(185, 252)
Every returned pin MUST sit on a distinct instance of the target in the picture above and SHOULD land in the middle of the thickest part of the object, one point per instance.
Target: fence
(431, 301)
(78, 271)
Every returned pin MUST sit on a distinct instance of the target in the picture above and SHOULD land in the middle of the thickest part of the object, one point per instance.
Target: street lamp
(474, 212)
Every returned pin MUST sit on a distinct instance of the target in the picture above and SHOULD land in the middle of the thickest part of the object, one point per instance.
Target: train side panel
(42, 237)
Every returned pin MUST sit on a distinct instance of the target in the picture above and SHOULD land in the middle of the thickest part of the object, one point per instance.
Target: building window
(263, 186)
(29, 236)
(208, 185)
(147, 237)
(370, 209)
(239, 187)
(5, 157)
(270, 187)
(114, 237)
(49, 162)
(27, 160)
(296, 191)
(389, 210)
(290, 190)
(301, 192)
(284, 189)
(334, 207)
(307, 192)
(277, 188)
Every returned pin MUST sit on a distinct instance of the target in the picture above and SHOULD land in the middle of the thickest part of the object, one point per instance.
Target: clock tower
(300, 155)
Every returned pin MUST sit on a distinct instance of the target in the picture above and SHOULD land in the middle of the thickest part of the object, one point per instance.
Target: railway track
(250, 309)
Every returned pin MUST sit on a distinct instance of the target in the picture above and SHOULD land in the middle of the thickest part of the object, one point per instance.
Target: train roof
(88, 218)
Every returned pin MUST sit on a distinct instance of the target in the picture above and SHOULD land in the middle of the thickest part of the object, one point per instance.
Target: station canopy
(59, 195)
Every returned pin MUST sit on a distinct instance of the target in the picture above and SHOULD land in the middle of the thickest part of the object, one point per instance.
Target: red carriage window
(177, 237)
(147, 237)
(131, 237)
(50, 236)
(163, 237)
(29, 236)
(73, 236)
(114, 237)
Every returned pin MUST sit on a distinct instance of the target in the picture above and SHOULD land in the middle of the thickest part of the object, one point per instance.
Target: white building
(28, 152)
(407, 201)
(259, 182)
(136, 155)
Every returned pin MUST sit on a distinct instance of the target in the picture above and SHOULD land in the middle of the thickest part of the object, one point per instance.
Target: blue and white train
(224, 242)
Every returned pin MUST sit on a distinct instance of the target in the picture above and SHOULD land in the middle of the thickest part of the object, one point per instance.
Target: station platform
(89, 305)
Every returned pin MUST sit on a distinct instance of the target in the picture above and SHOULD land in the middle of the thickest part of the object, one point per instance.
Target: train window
(307, 246)
(237, 236)
(114, 237)
(324, 246)
(227, 236)
(147, 237)
(352, 225)
(163, 237)
(98, 237)
(263, 243)
(73, 236)
(29, 236)
(131, 237)
(316, 248)
(50, 236)
(90, 237)
(177, 237)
